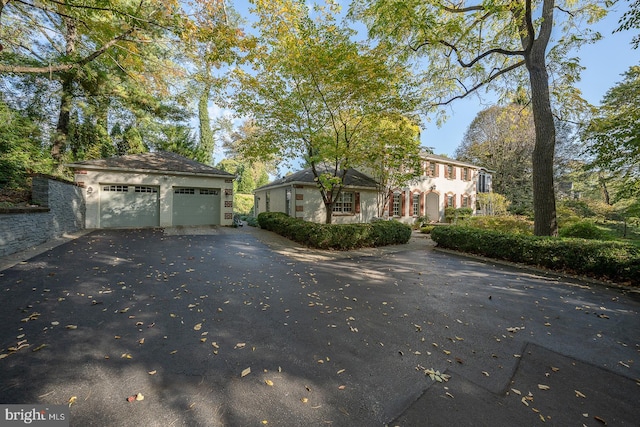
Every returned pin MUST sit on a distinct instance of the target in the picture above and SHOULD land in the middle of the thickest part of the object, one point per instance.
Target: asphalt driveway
(238, 327)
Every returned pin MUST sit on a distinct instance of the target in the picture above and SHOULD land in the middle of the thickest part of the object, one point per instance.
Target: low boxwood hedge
(335, 236)
(616, 261)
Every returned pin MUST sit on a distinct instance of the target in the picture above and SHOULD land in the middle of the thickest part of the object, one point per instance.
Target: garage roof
(157, 161)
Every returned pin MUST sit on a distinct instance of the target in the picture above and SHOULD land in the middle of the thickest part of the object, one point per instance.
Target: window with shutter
(396, 204)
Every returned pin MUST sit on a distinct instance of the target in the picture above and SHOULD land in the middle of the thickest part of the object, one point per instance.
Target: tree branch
(482, 55)
(547, 21)
(64, 67)
(481, 84)
(462, 10)
(96, 8)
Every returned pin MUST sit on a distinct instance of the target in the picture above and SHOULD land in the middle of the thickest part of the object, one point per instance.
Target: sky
(604, 62)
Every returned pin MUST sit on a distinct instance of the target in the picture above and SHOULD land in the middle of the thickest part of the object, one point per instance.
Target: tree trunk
(328, 212)
(66, 97)
(544, 200)
(605, 190)
(59, 142)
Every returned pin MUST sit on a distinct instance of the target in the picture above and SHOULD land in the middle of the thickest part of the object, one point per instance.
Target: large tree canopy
(502, 45)
(613, 135)
(117, 70)
(502, 139)
(314, 93)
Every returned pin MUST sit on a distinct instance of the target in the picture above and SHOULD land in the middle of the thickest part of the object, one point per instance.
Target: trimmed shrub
(505, 223)
(421, 221)
(251, 221)
(335, 236)
(453, 215)
(427, 229)
(583, 230)
(605, 259)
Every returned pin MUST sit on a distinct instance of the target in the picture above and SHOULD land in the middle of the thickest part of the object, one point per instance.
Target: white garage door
(196, 206)
(129, 206)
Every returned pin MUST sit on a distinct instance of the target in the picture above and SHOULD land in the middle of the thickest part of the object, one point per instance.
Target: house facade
(442, 183)
(158, 189)
(298, 196)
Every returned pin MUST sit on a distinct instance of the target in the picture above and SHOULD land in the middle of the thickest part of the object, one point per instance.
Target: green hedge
(335, 236)
(604, 259)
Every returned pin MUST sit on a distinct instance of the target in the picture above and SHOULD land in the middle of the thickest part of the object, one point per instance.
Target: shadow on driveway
(329, 338)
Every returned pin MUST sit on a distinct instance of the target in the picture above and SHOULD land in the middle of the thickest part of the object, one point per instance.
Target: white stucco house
(156, 189)
(298, 196)
(442, 183)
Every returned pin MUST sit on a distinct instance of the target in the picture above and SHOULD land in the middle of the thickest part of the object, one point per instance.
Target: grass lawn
(616, 231)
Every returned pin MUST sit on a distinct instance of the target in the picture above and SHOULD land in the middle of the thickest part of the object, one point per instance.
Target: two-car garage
(154, 189)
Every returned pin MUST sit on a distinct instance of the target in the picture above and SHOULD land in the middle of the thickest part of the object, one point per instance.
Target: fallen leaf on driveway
(71, 326)
(72, 400)
(543, 387)
(579, 394)
(436, 375)
(245, 372)
(152, 372)
(197, 327)
(269, 383)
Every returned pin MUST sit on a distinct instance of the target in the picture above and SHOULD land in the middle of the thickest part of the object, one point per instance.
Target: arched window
(450, 200)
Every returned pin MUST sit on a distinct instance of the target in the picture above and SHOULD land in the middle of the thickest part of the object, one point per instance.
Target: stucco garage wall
(92, 180)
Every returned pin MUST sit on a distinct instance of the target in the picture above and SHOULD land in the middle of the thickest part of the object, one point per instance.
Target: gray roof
(158, 161)
(352, 178)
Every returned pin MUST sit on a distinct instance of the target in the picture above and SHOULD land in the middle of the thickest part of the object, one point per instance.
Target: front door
(433, 207)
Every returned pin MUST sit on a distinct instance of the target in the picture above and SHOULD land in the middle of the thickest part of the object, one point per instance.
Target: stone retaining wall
(61, 210)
